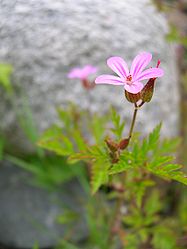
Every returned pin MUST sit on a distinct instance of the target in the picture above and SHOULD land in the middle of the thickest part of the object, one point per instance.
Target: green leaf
(118, 125)
(97, 126)
(79, 140)
(154, 136)
(99, 174)
(164, 238)
(155, 164)
(132, 241)
(2, 143)
(169, 171)
(68, 216)
(124, 164)
(36, 246)
(153, 204)
(53, 139)
(5, 74)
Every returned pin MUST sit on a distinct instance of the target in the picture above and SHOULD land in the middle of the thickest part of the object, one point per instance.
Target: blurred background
(40, 42)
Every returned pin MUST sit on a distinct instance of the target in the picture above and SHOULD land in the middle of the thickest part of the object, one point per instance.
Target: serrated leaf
(53, 139)
(154, 136)
(120, 167)
(152, 204)
(159, 161)
(118, 125)
(97, 126)
(79, 140)
(99, 174)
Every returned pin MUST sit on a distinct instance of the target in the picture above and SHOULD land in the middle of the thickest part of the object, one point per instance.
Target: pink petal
(74, 73)
(150, 73)
(109, 79)
(82, 73)
(139, 63)
(136, 87)
(119, 66)
(87, 70)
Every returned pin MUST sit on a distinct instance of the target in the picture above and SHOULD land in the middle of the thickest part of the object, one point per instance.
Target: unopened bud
(131, 97)
(147, 91)
(111, 145)
(123, 143)
(87, 84)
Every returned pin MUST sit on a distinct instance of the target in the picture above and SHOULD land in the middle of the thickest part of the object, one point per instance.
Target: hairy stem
(133, 120)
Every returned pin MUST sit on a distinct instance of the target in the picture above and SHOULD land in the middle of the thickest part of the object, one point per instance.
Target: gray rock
(29, 214)
(44, 39)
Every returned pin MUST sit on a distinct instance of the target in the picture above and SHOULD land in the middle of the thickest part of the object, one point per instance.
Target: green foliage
(164, 238)
(5, 74)
(174, 36)
(36, 246)
(68, 216)
(150, 154)
(2, 143)
(54, 140)
(117, 123)
(50, 171)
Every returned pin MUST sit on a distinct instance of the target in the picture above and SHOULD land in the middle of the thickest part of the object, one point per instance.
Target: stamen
(158, 63)
(129, 79)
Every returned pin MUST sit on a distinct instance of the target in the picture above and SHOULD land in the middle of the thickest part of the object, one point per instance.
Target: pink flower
(82, 73)
(131, 80)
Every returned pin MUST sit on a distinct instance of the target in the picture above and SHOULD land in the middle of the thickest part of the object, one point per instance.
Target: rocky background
(44, 39)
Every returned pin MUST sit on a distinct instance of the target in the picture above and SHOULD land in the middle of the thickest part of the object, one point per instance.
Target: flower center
(129, 79)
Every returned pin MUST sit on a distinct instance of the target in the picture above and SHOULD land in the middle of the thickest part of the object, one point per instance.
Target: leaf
(5, 73)
(169, 145)
(169, 171)
(154, 136)
(122, 165)
(118, 125)
(159, 161)
(53, 139)
(35, 246)
(68, 216)
(97, 126)
(153, 204)
(2, 143)
(150, 143)
(79, 140)
(164, 238)
(99, 174)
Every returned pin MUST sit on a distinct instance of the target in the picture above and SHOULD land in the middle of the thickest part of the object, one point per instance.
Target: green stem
(133, 120)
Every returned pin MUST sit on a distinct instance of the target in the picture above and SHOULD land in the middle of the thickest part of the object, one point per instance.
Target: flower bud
(111, 145)
(87, 84)
(147, 91)
(123, 143)
(131, 97)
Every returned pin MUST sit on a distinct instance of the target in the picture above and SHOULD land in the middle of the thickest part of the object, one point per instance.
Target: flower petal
(87, 70)
(134, 88)
(119, 66)
(82, 73)
(109, 79)
(74, 73)
(139, 63)
(150, 73)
